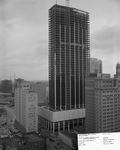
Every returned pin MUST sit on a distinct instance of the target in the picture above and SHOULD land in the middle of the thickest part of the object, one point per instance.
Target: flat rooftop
(71, 8)
(70, 135)
(34, 137)
(26, 139)
(59, 145)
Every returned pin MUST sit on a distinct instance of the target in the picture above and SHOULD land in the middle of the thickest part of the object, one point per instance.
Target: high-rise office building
(26, 107)
(40, 89)
(6, 86)
(95, 65)
(102, 99)
(69, 60)
(117, 70)
(69, 57)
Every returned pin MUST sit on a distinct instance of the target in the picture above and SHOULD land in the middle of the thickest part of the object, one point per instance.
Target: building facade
(52, 144)
(117, 75)
(40, 89)
(6, 86)
(102, 105)
(56, 121)
(69, 60)
(95, 65)
(31, 141)
(69, 57)
(26, 111)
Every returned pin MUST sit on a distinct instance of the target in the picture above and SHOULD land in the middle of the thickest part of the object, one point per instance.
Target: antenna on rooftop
(56, 2)
(67, 3)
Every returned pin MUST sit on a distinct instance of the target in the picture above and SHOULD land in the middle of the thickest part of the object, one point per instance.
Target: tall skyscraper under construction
(69, 57)
(69, 60)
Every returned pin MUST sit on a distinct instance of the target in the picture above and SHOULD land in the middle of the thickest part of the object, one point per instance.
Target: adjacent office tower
(102, 99)
(69, 57)
(95, 65)
(26, 107)
(117, 71)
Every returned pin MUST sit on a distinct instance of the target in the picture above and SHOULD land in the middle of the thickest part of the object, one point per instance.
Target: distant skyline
(24, 35)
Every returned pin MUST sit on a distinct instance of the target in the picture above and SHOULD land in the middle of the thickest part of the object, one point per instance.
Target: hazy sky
(24, 35)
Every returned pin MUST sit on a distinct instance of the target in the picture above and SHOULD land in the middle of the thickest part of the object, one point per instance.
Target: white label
(99, 141)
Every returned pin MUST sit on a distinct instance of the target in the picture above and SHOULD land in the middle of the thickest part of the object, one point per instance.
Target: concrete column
(53, 127)
(68, 126)
(77, 122)
(73, 123)
(63, 125)
(58, 126)
(48, 124)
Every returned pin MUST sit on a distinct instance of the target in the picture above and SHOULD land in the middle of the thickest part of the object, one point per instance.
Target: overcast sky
(24, 35)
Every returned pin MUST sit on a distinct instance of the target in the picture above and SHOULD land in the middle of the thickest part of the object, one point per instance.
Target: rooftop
(33, 137)
(25, 140)
(70, 135)
(59, 145)
(71, 8)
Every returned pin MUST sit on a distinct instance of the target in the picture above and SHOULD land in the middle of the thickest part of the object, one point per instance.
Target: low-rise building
(70, 138)
(52, 144)
(31, 141)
